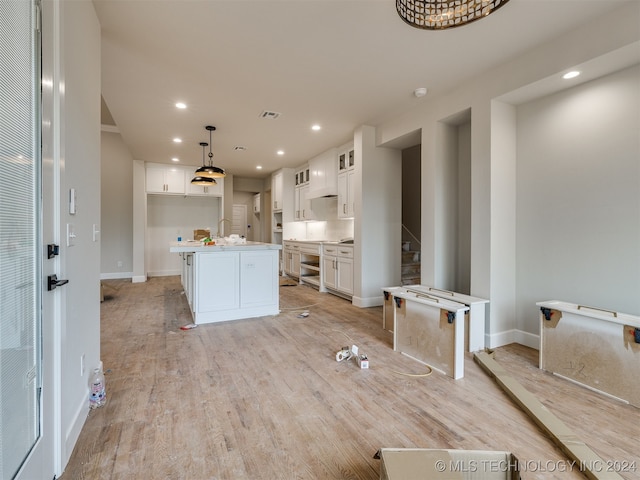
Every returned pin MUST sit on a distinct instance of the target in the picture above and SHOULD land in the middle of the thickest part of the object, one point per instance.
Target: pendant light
(442, 14)
(200, 178)
(213, 172)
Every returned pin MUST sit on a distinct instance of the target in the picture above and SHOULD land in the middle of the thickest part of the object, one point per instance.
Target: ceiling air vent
(239, 147)
(269, 115)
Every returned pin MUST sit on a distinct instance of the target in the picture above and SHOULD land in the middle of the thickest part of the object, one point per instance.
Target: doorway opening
(410, 273)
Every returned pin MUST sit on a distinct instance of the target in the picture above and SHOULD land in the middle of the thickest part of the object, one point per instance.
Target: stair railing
(413, 237)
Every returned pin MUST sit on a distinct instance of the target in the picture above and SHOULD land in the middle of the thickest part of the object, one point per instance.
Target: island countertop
(229, 282)
(195, 247)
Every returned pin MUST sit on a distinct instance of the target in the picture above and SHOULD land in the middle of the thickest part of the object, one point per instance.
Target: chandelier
(441, 14)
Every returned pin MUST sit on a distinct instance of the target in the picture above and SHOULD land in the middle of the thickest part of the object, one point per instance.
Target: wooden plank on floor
(591, 464)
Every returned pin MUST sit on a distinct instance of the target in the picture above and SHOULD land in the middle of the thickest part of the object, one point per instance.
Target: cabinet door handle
(344, 208)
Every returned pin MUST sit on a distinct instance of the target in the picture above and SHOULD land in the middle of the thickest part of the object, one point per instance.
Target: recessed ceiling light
(280, 152)
(181, 105)
(258, 167)
(316, 127)
(572, 74)
(177, 140)
(175, 159)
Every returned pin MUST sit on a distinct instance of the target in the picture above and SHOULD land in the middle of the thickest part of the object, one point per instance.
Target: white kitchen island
(229, 282)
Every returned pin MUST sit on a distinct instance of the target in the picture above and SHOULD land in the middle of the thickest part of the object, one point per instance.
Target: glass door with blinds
(20, 235)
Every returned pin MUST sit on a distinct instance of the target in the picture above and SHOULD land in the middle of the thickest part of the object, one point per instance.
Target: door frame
(44, 460)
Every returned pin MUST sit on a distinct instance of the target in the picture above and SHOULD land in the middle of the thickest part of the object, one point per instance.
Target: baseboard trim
(512, 336)
(138, 279)
(164, 273)
(528, 339)
(115, 275)
(73, 432)
(367, 302)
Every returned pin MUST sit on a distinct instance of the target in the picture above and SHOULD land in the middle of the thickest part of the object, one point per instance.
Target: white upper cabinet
(323, 180)
(256, 203)
(302, 176)
(345, 194)
(165, 179)
(177, 180)
(302, 204)
(346, 159)
(277, 183)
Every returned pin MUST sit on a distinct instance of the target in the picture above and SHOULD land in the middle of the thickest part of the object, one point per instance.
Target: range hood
(324, 192)
(323, 181)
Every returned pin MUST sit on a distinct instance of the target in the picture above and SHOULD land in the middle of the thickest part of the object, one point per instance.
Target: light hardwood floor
(265, 398)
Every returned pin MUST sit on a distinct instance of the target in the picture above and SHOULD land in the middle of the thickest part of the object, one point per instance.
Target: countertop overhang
(195, 247)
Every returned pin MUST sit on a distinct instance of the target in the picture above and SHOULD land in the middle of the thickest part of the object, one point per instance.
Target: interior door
(239, 220)
(26, 401)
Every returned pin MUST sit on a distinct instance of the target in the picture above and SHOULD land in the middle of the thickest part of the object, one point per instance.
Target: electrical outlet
(82, 365)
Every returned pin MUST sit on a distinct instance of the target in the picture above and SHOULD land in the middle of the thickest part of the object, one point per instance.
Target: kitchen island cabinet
(230, 282)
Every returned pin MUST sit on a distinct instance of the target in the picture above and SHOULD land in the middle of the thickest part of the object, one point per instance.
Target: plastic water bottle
(97, 395)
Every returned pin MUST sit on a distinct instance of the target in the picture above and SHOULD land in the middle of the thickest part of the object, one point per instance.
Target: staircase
(410, 274)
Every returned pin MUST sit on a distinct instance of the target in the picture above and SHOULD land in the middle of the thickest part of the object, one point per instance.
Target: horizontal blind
(19, 230)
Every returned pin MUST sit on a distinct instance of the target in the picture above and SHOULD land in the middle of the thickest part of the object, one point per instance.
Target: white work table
(229, 282)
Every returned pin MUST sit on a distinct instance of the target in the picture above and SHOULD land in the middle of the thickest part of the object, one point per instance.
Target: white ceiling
(339, 63)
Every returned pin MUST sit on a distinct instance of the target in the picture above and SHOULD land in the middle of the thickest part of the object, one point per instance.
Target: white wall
(493, 223)
(503, 218)
(116, 259)
(446, 206)
(578, 201)
(462, 282)
(171, 216)
(139, 223)
(79, 57)
(378, 218)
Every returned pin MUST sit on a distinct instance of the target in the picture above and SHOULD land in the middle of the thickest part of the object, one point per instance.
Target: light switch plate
(71, 235)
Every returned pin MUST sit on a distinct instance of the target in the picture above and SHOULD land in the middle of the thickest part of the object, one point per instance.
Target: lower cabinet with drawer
(291, 259)
(337, 268)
